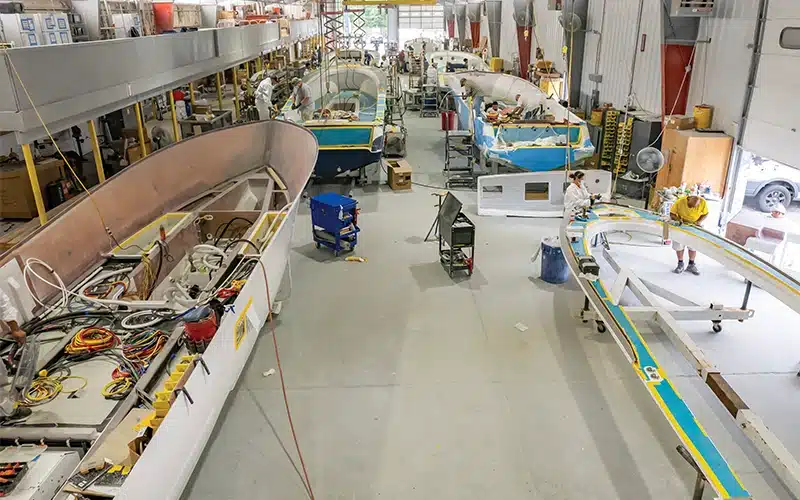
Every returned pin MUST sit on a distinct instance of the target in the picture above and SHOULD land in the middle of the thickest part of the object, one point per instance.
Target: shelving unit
(608, 146)
(334, 220)
(459, 161)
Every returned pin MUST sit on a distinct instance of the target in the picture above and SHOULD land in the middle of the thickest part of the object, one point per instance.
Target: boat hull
(74, 242)
(346, 148)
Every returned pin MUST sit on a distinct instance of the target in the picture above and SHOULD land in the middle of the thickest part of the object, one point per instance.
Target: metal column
(191, 93)
(137, 108)
(98, 157)
(219, 89)
(236, 92)
(247, 74)
(34, 180)
(176, 130)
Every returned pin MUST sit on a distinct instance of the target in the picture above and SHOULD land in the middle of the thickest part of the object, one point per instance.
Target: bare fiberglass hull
(196, 179)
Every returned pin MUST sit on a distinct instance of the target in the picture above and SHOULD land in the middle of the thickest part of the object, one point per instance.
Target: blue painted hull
(334, 162)
(534, 159)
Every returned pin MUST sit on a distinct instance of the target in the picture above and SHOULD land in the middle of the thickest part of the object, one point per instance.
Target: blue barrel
(554, 265)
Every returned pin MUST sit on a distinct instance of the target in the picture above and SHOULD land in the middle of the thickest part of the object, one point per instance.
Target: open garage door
(773, 124)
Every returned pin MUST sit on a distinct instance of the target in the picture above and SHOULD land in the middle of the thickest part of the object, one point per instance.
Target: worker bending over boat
(301, 99)
(577, 195)
(690, 209)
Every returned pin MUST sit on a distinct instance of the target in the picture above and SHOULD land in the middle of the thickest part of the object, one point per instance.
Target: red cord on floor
(283, 384)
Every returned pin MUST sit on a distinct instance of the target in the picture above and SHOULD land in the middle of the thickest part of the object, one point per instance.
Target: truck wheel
(772, 195)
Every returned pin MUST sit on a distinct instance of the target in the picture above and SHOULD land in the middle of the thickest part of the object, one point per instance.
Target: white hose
(61, 286)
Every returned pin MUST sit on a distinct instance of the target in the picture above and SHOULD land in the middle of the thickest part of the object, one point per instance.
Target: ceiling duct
(523, 13)
(692, 8)
(461, 22)
(494, 11)
(449, 19)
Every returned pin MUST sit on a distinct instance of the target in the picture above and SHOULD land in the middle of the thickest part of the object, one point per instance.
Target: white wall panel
(550, 35)
(619, 39)
(774, 118)
(722, 66)
(508, 35)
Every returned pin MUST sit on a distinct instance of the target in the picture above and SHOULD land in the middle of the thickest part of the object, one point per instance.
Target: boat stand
(652, 310)
(700, 482)
(433, 232)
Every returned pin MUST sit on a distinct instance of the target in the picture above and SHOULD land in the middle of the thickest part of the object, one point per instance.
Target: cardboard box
(680, 122)
(134, 153)
(16, 195)
(399, 176)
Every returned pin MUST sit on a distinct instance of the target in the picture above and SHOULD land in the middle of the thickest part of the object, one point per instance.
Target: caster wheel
(319, 246)
(336, 253)
(601, 327)
(717, 327)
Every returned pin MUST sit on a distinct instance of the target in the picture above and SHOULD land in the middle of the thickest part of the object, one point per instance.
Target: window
(537, 191)
(790, 38)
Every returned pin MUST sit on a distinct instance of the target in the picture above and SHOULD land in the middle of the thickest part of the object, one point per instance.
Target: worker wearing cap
(690, 209)
(301, 99)
(466, 89)
(9, 319)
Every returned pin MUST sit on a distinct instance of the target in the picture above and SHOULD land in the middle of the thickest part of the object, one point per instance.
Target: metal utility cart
(459, 162)
(429, 105)
(456, 237)
(334, 220)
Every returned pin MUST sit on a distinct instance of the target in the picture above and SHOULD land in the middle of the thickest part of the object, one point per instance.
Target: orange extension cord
(283, 384)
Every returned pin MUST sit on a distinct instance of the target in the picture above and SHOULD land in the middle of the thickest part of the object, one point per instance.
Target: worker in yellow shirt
(690, 209)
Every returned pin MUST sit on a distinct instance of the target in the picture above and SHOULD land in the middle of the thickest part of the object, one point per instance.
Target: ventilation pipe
(474, 15)
(523, 17)
(450, 20)
(461, 21)
(494, 11)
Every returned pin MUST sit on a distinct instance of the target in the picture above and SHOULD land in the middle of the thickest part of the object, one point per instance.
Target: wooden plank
(276, 178)
(729, 398)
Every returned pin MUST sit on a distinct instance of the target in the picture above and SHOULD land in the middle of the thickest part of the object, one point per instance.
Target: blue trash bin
(554, 265)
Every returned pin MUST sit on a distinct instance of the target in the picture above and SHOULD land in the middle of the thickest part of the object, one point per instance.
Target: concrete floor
(406, 384)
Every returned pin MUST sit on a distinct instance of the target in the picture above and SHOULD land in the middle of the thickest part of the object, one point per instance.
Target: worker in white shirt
(432, 74)
(9, 319)
(577, 195)
(264, 98)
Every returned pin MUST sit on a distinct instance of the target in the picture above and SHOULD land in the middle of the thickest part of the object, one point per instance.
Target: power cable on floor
(271, 323)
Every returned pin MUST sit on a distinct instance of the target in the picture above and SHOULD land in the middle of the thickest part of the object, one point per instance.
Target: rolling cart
(456, 237)
(334, 221)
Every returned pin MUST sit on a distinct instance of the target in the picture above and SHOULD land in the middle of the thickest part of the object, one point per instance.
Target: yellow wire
(58, 149)
(117, 387)
(74, 377)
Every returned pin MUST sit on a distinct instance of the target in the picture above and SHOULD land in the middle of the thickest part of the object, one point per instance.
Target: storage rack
(77, 27)
(334, 220)
(459, 162)
(609, 141)
(624, 136)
